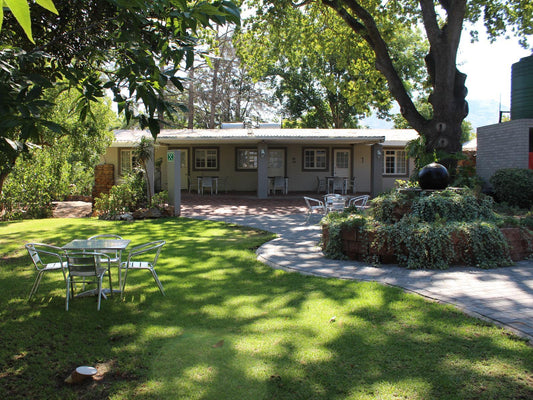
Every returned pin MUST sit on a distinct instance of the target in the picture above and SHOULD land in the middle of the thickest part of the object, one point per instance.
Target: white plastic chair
(207, 182)
(45, 258)
(279, 184)
(359, 201)
(143, 256)
(320, 184)
(339, 184)
(314, 205)
(85, 268)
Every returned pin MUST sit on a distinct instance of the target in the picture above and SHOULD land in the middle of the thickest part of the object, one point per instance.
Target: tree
(63, 164)
(132, 48)
(321, 74)
(442, 21)
(144, 152)
(220, 88)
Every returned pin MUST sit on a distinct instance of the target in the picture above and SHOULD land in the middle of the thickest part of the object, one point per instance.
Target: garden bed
(364, 246)
(429, 230)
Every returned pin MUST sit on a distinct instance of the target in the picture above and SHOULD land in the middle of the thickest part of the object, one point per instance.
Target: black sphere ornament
(433, 176)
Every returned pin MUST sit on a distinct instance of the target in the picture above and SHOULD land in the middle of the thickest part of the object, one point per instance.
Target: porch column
(174, 179)
(262, 171)
(376, 173)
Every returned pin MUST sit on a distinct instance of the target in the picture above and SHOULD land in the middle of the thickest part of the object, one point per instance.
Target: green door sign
(170, 156)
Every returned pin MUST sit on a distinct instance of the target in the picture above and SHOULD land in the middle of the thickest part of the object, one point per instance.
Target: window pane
(315, 159)
(246, 159)
(125, 161)
(275, 159)
(321, 159)
(199, 158)
(401, 162)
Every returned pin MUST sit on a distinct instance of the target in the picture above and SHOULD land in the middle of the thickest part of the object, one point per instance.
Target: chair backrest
(82, 264)
(115, 253)
(279, 181)
(150, 250)
(105, 236)
(338, 183)
(359, 201)
(207, 181)
(40, 252)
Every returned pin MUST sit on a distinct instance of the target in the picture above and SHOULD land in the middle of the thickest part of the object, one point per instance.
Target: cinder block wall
(504, 145)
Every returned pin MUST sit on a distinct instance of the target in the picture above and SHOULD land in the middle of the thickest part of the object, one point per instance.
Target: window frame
(205, 167)
(396, 158)
(238, 150)
(315, 150)
(131, 160)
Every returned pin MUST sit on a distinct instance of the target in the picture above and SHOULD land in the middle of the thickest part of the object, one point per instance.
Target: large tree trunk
(443, 131)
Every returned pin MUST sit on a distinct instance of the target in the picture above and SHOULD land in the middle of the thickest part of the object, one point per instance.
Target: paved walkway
(502, 295)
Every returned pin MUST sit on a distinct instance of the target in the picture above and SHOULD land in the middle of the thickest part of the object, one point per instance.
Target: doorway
(341, 162)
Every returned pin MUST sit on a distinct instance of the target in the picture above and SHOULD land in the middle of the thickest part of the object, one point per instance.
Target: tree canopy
(373, 22)
(133, 48)
(319, 69)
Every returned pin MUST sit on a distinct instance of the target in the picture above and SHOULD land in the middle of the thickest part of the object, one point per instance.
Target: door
(341, 163)
(276, 162)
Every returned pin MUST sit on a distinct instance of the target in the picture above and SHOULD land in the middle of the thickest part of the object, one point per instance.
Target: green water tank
(522, 89)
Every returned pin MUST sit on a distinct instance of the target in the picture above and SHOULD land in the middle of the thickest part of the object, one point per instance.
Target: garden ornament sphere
(433, 176)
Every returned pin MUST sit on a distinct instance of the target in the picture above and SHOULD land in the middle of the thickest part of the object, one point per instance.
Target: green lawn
(232, 328)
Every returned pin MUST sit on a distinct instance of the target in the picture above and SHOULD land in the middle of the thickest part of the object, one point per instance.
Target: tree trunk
(443, 131)
(190, 105)
(214, 100)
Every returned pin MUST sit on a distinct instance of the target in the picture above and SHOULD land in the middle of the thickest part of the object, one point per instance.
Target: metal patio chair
(45, 258)
(143, 256)
(359, 201)
(85, 268)
(314, 205)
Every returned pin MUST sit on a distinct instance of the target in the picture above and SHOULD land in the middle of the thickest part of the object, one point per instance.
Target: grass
(232, 328)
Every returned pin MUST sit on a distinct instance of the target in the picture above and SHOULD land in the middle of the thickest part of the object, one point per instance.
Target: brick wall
(103, 179)
(504, 145)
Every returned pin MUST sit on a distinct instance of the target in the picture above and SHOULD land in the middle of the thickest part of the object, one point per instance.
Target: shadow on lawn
(231, 327)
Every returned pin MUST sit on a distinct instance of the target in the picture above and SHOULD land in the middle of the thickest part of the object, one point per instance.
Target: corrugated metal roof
(390, 137)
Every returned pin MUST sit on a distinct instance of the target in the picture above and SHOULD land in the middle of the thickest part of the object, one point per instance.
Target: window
(127, 161)
(395, 162)
(315, 159)
(206, 158)
(246, 159)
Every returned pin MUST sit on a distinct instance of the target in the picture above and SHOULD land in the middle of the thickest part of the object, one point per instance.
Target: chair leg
(36, 284)
(68, 293)
(157, 281)
(123, 283)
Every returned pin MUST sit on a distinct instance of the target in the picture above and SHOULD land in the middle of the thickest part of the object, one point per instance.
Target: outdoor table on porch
(96, 245)
(215, 181)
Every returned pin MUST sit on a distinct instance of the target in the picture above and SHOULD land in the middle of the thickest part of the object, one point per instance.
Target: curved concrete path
(503, 295)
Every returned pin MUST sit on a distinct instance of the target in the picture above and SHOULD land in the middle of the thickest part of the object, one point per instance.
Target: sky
(488, 69)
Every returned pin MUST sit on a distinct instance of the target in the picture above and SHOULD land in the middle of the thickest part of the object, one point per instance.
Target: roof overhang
(184, 137)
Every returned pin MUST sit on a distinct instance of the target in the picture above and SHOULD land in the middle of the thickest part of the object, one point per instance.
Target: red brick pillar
(104, 179)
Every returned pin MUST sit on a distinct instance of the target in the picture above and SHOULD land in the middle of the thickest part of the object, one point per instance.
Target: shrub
(425, 230)
(513, 186)
(128, 196)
